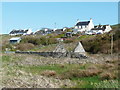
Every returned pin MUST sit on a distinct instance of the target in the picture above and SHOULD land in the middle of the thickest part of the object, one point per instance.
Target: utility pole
(111, 44)
(55, 25)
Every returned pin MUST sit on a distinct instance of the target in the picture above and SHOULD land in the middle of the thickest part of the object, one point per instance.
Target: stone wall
(54, 54)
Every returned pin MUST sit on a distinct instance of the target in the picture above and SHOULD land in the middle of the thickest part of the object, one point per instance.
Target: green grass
(86, 82)
(58, 68)
(47, 48)
(6, 58)
(85, 36)
(61, 70)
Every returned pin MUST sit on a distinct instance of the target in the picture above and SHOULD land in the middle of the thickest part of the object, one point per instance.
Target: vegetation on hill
(34, 71)
(92, 43)
(102, 43)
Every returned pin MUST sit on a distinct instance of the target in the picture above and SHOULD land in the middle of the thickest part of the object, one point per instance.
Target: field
(19, 70)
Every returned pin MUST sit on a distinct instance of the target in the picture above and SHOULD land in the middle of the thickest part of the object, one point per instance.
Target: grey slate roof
(18, 31)
(82, 23)
(99, 27)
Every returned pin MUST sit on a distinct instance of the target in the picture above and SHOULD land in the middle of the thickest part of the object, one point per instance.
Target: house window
(83, 26)
(79, 26)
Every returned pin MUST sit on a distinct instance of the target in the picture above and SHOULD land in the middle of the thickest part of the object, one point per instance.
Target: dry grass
(80, 73)
(25, 46)
(107, 75)
(48, 73)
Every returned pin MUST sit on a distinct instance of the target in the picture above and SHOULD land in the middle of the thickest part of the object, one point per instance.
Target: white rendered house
(84, 25)
(20, 32)
(101, 29)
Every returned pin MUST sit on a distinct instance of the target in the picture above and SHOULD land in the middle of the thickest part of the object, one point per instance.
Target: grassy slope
(64, 71)
(92, 43)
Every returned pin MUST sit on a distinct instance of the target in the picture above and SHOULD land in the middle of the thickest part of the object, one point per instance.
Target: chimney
(78, 20)
(90, 19)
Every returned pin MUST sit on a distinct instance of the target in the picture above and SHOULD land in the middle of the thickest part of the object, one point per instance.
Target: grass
(47, 48)
(10, 66)
(58, 68)
(85, 82)
(6, 58)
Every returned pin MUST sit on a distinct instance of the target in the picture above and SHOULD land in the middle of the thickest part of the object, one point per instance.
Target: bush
(30, 39)
(68, 41)
(25, 46)
(107, 75)
(48, 73)
(102, 43)
(79, 73)
(37, 40)
(6, 46)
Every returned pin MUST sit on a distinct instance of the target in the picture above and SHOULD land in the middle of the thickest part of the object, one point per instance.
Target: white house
(84, 25)
(20, 32)
(100, 29)
(15, 40)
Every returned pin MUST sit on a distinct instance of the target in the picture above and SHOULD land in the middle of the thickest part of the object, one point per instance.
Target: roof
(99, 27)
(15, 38)
(79, 48)
(60, 48)
(82, 23)
(18, 31)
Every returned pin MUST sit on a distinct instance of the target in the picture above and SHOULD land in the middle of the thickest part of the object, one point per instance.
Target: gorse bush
(31, 39)
(25, 46)
(77, 73)
(37, 40)
(48, 73)
(107, 76)
(102, 43)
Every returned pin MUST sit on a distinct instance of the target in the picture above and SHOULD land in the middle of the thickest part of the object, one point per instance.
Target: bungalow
(100, 29)
(84, 25)
(15, 40)
(20, 32)
(43, 31)
(58, 31)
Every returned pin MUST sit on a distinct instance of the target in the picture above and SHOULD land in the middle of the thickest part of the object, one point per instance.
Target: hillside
(99, 70)
(102, 43)
(92, 43)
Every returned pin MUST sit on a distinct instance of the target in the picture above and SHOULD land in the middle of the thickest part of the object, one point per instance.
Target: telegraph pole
(55, 25)
(111, 44)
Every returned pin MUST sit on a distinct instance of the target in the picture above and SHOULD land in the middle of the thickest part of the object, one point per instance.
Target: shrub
(106, 66)
(31, 39)
(102, 43)
(52, 41)
(37, 40)
(107, 75)
(79, 73)
(68, 41)
(6, 46)
(48, 73)
(25, 46)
